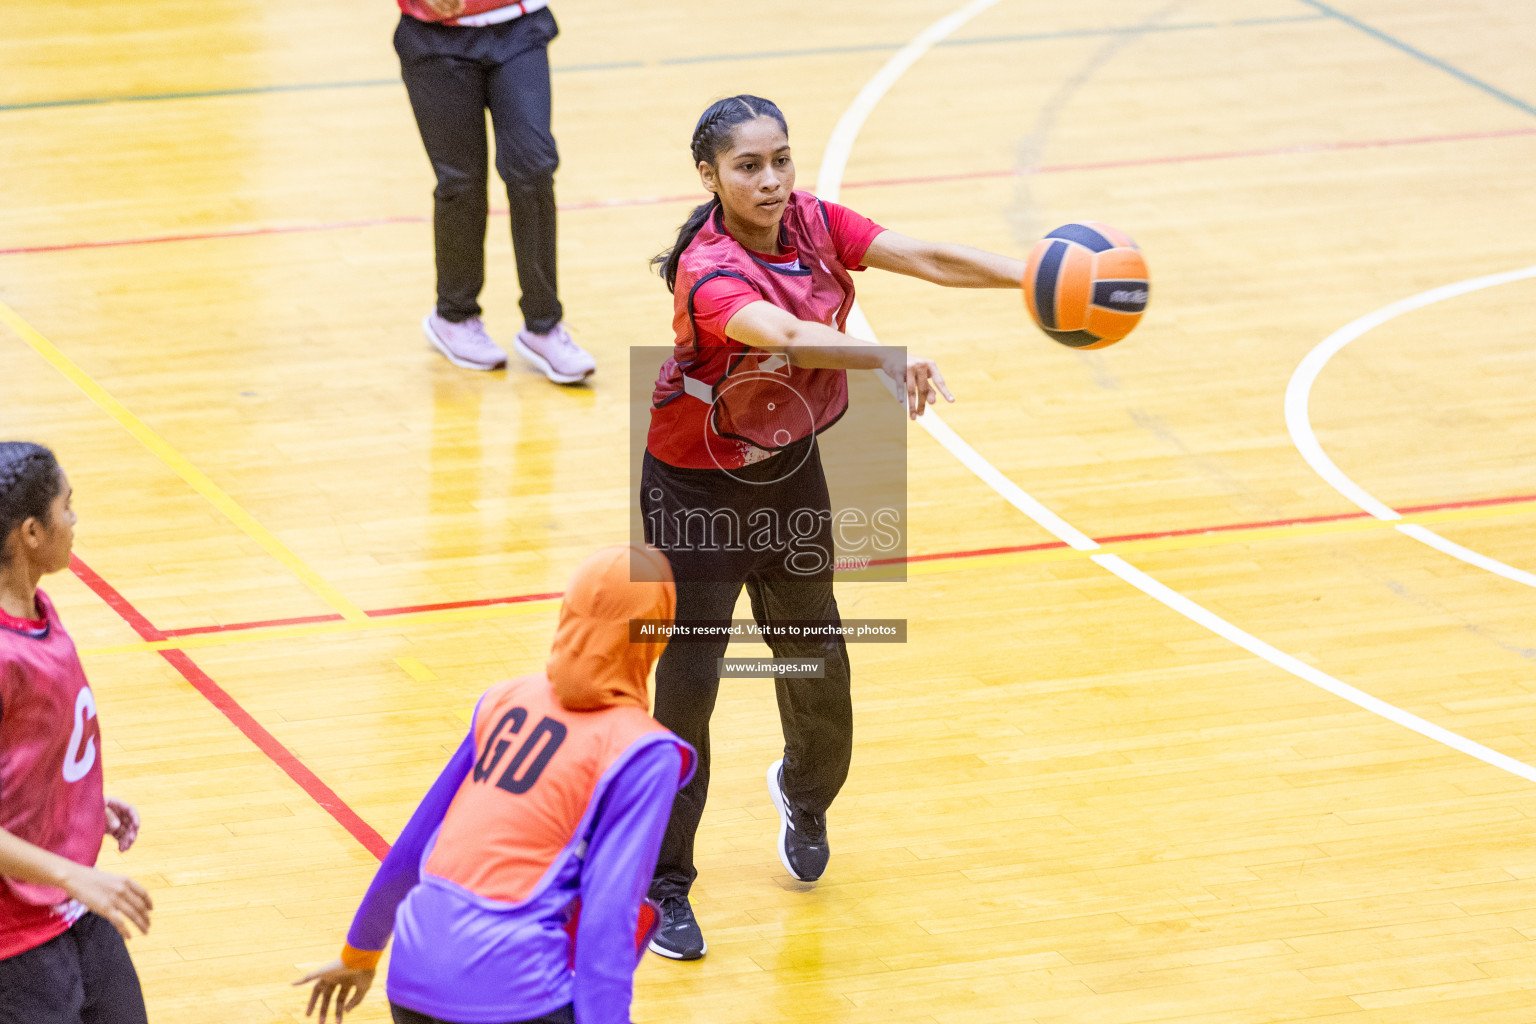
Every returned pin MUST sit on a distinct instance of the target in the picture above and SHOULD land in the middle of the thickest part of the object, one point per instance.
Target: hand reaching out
(924, 383)
(349, 984)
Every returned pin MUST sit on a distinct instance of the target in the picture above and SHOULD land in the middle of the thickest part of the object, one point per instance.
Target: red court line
(117, 602)
(365, 833)
(1191, 158)
(599, 204)
(204, 235)
(382, 613)
(339, 225)
(1517, 499)
(254, 731)
(1335, 517)
(937, 556)
(1230, 527)
(483, 602)
(940, 556)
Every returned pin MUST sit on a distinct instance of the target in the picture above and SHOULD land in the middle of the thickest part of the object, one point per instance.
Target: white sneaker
(464, 344)
(555, 355)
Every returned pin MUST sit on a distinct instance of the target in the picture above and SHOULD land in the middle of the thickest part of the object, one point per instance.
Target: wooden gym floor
(1133, 783)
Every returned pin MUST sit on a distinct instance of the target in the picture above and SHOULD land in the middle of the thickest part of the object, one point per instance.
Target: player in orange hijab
(516, 891)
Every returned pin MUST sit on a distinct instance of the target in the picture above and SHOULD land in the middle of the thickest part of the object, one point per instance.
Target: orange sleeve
(360, 959)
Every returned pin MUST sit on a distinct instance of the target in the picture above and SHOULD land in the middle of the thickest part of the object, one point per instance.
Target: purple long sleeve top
(462, 957)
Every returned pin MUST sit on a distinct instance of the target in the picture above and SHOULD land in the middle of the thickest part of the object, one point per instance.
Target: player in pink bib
(62, 959)
(762, 286)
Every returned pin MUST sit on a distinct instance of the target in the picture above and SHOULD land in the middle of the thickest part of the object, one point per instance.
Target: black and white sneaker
(803, 845)
(678, 936)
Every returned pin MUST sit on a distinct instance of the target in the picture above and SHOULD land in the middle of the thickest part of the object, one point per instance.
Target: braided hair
(712, 136)
(29, 481)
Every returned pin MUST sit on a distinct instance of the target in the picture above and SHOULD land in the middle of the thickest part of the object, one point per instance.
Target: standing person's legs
(817, 714)
(687, 683)
(687, 675)
(526, 158)
(695, 517)
(447, 90)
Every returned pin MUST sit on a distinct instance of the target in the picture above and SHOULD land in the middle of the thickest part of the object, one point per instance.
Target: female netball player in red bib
(760, 277)
(62, 959)
(516, 891)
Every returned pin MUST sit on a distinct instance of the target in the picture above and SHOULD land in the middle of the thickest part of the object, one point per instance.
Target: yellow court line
(416, 670)
(960, 564)
(181, 466)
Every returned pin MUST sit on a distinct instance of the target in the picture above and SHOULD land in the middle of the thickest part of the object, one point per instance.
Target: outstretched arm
(401, 869)
(807, 343)
(943, 263)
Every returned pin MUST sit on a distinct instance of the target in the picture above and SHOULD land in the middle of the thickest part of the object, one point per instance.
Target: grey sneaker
(465, 344)
(803, 848)
(555, 355)
(677, 936)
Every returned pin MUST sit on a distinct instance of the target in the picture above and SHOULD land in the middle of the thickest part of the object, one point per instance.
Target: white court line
(828, 183)
(1467, 555)
(1298, 395)
(834, 160)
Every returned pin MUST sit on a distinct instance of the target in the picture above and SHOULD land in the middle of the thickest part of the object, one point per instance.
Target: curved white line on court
(834, 160)
(1298, 396)
(1450, 547)
(839, 146)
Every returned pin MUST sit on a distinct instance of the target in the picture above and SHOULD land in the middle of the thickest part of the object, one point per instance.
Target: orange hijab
(593, 664)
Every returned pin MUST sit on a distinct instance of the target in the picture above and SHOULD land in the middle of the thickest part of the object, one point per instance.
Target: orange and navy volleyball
(1086, 284)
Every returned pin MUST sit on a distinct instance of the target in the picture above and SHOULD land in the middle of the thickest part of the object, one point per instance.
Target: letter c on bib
(78, 760)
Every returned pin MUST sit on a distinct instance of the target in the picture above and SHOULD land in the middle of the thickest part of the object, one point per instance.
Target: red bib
(50, 769)
(757, 402)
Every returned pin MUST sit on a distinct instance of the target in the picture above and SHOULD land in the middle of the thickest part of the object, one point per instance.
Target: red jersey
(720, 404)
(50, 770)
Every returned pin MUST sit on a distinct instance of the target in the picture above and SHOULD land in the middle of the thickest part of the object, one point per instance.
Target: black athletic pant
(816, 714)
(83, 976)
(453, 75)
(565, 1015)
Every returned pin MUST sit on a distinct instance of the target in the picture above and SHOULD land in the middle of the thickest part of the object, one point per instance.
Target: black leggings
(816, 714)
(83, 976)
(452, 76)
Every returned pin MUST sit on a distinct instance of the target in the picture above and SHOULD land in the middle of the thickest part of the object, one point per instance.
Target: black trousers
(83, 976)
(816, 714)
(565, 1015)
(453, 75)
